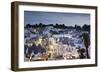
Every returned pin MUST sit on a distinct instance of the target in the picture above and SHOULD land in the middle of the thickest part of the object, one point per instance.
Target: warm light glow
(39, 41)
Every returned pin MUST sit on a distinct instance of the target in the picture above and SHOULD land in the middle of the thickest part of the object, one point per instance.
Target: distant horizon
(58, 24)
(69, 19)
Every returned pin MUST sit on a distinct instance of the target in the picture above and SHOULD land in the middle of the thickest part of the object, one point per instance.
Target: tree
(86, 40)
(86, 27)
(28, 25)
(81, 53)
(77, 27)
(40, 25)
(36, 25)
(56, 25)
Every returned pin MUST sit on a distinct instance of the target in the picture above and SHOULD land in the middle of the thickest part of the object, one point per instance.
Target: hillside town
(44, 42)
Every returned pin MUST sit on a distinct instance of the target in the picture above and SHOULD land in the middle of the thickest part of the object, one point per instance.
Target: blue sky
(69, 19)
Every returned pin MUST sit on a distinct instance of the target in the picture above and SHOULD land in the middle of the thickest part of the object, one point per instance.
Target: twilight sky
(69, 19)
